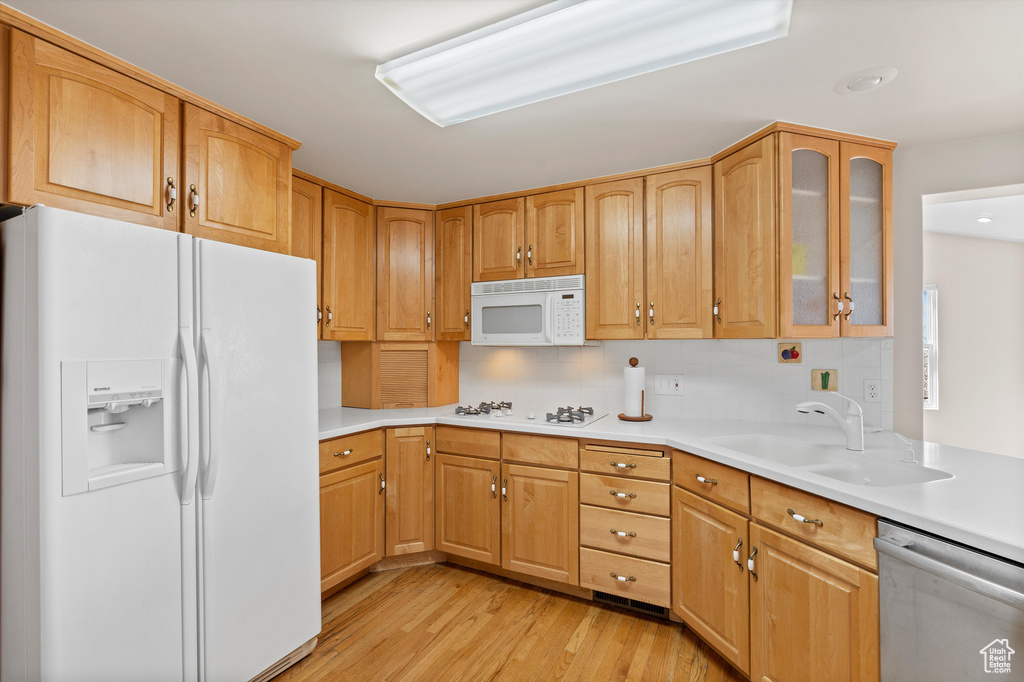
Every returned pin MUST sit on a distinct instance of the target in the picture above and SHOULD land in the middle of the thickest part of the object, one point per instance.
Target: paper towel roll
(633, 380)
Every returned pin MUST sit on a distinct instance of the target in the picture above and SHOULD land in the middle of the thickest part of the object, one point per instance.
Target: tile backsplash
(722, 379)
(328, 356)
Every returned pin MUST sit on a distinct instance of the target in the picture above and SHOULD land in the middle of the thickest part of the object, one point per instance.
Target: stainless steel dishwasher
(948, 612)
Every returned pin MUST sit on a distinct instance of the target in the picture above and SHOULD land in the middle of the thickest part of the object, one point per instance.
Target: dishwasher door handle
(975, 583)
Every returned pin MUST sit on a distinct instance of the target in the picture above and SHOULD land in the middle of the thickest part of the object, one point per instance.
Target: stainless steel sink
(833, 461)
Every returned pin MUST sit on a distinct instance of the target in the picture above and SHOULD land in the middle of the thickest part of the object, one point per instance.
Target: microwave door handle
(549, 334)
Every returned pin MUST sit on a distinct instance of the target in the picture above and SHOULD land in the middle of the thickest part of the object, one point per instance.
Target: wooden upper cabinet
(349, 268)
(409, 505)
(405, 274)
(679, 267)
(540, 527)
(554, 234)
(745, 286)
(809, 298)
(237, 183)
(307, 233)
(453, 273)
(615, 260)
(866, 271)
(85, 138)
(498, 249)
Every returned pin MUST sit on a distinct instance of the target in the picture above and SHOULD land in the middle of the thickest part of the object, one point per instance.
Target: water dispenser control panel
(113, 385)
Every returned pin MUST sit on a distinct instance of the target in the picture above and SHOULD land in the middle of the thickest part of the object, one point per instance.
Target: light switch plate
(668, 384)
(872, 393)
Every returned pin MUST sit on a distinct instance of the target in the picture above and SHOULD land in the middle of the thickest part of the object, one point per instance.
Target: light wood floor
(442, 622)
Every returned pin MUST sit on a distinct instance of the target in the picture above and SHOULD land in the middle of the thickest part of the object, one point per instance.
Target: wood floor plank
(445, 623)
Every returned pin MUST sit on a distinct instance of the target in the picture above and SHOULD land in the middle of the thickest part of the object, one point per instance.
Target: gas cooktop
(573, 417)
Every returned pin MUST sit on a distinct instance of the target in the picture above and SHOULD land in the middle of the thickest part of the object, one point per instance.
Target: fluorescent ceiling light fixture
(573, 45)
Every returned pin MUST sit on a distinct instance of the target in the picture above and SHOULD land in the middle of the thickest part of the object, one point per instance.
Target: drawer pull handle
(703, 479)
(622, 578)
(623, 465)
(804, 519)
(736, 554)
(344, 453)
(750, 564)
(616, 493)
(623, 534)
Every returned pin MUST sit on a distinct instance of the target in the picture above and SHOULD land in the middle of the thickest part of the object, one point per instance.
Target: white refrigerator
(160, 513)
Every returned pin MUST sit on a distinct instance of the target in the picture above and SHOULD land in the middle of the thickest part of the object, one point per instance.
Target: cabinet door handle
(529, 255)
(494, 487)
(345, 453)
(504, 487)
(839, 305)
(172, 194)
(637, 313)
(622, 578)
(616, 493)
(428, 319)
(623, 534)
(381, 491)
(804, 519)
(330, 315)
(750, 564)
(623, 465)
(467, 318)
(850, 311)
(703, 479)
(717, 317)
(319, 315)
(736, 554)
(650, 313)
(428, 450)
(193, 200)
(519, 257)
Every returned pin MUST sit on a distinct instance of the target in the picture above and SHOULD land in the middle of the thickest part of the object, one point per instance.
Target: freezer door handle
(188, 354)
(972, 582)
(208, 352)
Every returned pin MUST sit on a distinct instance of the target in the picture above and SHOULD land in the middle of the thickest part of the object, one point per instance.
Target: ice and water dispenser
(117, 422)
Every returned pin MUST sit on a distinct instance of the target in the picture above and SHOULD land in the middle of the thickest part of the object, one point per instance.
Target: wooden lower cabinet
(467, 513)
(709, 588)
(351, 521)
(812, 616)
(409, 495)
(540, 522)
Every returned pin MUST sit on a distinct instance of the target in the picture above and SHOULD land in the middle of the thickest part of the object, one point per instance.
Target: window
(930, 335)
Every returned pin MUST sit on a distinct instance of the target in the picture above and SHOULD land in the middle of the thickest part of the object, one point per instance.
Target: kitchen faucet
(852, 425)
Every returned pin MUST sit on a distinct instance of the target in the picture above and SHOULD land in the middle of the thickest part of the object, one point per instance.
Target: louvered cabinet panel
(383, 374)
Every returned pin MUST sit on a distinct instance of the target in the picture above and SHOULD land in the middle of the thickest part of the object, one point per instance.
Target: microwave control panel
(568, 313)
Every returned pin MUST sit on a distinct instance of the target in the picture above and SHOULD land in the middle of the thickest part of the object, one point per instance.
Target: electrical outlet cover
(824, 380)
(872, 391)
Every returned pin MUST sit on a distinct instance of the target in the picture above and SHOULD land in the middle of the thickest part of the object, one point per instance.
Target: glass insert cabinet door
(810, 299)
(866, 270)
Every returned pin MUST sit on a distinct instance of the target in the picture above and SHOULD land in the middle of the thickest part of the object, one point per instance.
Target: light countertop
(982, 505)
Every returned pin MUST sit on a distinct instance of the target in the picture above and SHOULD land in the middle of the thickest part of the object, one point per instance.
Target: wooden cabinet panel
(628, 462)
(498, 250)
(405, 274)
(467, 514)
(554, 233)
(808, 237)
(349, 268)
(745, 242)
(453, 273)
(409, 496)
(307, 232)
(722, 484)
(625, 532)
(644, 580)
(621, 493)
(85, 138)
(679, 266)
(382, 375)
(472, 442)
(866, 260)
(351, 522)
(241, 180)
(812, 617)
(348, 450)
(710, 588)
(540, 522)
(615, 260)
(845, 531)
(530, 449)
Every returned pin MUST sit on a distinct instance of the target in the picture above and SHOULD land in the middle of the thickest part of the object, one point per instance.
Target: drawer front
(644, 580)
(470, 442)
(556, 452)
(645, 497)
(844, 531)
(625, 462)
(727, 486)
(348, 450)
(635, 534)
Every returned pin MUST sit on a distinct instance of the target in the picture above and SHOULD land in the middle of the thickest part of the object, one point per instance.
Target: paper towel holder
(633, 362)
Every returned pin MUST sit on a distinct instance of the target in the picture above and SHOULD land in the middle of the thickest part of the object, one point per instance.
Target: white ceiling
(958, 213)
(306, 68)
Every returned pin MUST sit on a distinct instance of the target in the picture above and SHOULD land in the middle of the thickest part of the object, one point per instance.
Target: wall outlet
(668, 384)
(872, 391)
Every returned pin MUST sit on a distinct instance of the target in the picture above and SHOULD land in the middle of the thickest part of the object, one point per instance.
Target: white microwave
(544, 311)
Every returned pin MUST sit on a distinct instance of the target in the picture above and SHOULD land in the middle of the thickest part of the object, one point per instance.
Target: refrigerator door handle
(188, 354)
(207, 349)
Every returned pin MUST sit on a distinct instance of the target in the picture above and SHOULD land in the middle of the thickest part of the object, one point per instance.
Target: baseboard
(392, 563)
(554, 586)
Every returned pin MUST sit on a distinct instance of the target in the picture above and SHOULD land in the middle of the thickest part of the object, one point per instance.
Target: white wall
(329, 373)
(950, 166)
(981, 337)
(722, 379)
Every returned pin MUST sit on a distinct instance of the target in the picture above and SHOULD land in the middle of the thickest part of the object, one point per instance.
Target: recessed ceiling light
(862, 81)
(572, 45)
(984, 219)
